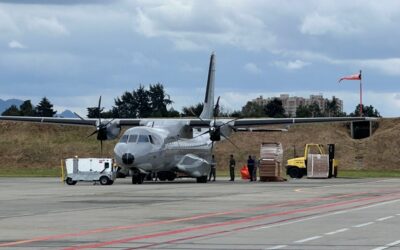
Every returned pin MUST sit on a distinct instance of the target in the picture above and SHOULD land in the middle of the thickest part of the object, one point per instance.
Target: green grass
(30, 172)
(368, 173)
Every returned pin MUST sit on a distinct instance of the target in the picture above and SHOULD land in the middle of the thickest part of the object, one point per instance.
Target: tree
(142, 98)
(45, 108)
(158, 100)
(274, 108)
(252, 109)
(12, 111)
(303, 111)
(368, 111)
(126, 106)
(332, 108)
(27, 109)
(315, 110)
(173, 113)
(196, 109)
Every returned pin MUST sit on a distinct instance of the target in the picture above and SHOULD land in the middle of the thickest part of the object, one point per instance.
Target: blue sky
(74, 51)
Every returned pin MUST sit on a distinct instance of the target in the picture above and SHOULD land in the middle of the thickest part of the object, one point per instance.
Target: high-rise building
(291, 103)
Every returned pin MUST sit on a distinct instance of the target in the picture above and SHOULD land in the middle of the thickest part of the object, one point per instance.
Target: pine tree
(12, 111)
(27, 109)
(45, 108)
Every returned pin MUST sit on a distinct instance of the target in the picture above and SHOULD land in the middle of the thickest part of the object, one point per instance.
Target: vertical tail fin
(208, 108)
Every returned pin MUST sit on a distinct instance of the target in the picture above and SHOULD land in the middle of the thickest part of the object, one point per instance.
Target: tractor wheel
(294, 172)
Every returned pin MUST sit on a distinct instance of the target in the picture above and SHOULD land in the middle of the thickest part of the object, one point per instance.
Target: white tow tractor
(89, 169)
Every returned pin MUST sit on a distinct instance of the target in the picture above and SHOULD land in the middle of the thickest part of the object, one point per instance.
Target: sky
(74, 51)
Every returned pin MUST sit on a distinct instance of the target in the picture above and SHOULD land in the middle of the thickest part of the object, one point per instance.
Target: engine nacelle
(108, 130)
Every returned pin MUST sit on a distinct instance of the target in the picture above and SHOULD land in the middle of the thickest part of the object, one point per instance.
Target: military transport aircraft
(170, 146)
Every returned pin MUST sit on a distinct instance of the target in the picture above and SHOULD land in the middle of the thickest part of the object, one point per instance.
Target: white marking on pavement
(364, 224)
(308, 239)
(337, 231)
(398, 214)
(325, 215)
(388, 245)
(384, 218)
(277, 247)
(340, 212)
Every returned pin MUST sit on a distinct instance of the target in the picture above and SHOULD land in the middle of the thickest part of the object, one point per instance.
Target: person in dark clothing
(250, 167)
(213, 164)
(232, 164)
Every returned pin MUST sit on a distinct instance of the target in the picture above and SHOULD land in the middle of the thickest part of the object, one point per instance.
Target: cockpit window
(143, 138)
(124, 139)
(133, 138)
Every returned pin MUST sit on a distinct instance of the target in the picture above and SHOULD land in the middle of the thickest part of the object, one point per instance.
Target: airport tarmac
(43, 213)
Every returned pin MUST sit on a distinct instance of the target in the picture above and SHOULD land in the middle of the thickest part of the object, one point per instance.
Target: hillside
(24, 145)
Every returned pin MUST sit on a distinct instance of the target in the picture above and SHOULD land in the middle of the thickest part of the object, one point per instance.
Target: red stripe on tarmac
(213, 225)
(162, 222)
(248, 227)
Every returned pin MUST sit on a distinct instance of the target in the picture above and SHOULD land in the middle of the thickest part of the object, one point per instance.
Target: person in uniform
(232, 164)
(250, 167)
(213, 168)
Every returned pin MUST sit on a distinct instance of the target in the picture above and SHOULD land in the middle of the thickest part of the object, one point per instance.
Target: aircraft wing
(51, 120)
(70, 121)
(243, 123)
(235, 123)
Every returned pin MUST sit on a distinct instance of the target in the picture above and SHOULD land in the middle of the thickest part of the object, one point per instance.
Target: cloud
(7, 24)
(191, 25)
(291, 65)
(16, 45)
(140, 59)
(252, 68)
(47, 25)
(316, 24)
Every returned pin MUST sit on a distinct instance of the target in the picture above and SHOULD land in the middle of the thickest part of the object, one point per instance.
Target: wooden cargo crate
(317, 166)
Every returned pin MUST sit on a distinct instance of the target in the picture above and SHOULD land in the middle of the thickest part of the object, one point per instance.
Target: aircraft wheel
(69, 181)
(141, 178)
(135, 179)
(104, 180)
(202, 179)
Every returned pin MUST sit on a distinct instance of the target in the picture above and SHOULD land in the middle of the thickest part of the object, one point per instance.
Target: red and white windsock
(351, 77)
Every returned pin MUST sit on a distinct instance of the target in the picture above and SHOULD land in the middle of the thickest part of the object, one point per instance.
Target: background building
(291, 103)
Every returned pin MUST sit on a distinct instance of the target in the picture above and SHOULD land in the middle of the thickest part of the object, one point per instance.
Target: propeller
(101, 129)
(214, 129)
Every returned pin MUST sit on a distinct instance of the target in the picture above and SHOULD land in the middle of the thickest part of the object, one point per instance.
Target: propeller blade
(99, 107)
(110, 122)
(223, 124)
(216, 108)
(208, 131)
(94, 132)
(80, 117)
(229, 140)
(101, 148)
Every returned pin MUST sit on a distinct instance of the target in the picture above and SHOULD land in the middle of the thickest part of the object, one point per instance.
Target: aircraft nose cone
(128, 158)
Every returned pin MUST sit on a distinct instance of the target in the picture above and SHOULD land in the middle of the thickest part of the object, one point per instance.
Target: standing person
(232, 164)
(255, 168)
(250, 167)
(213, 168)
